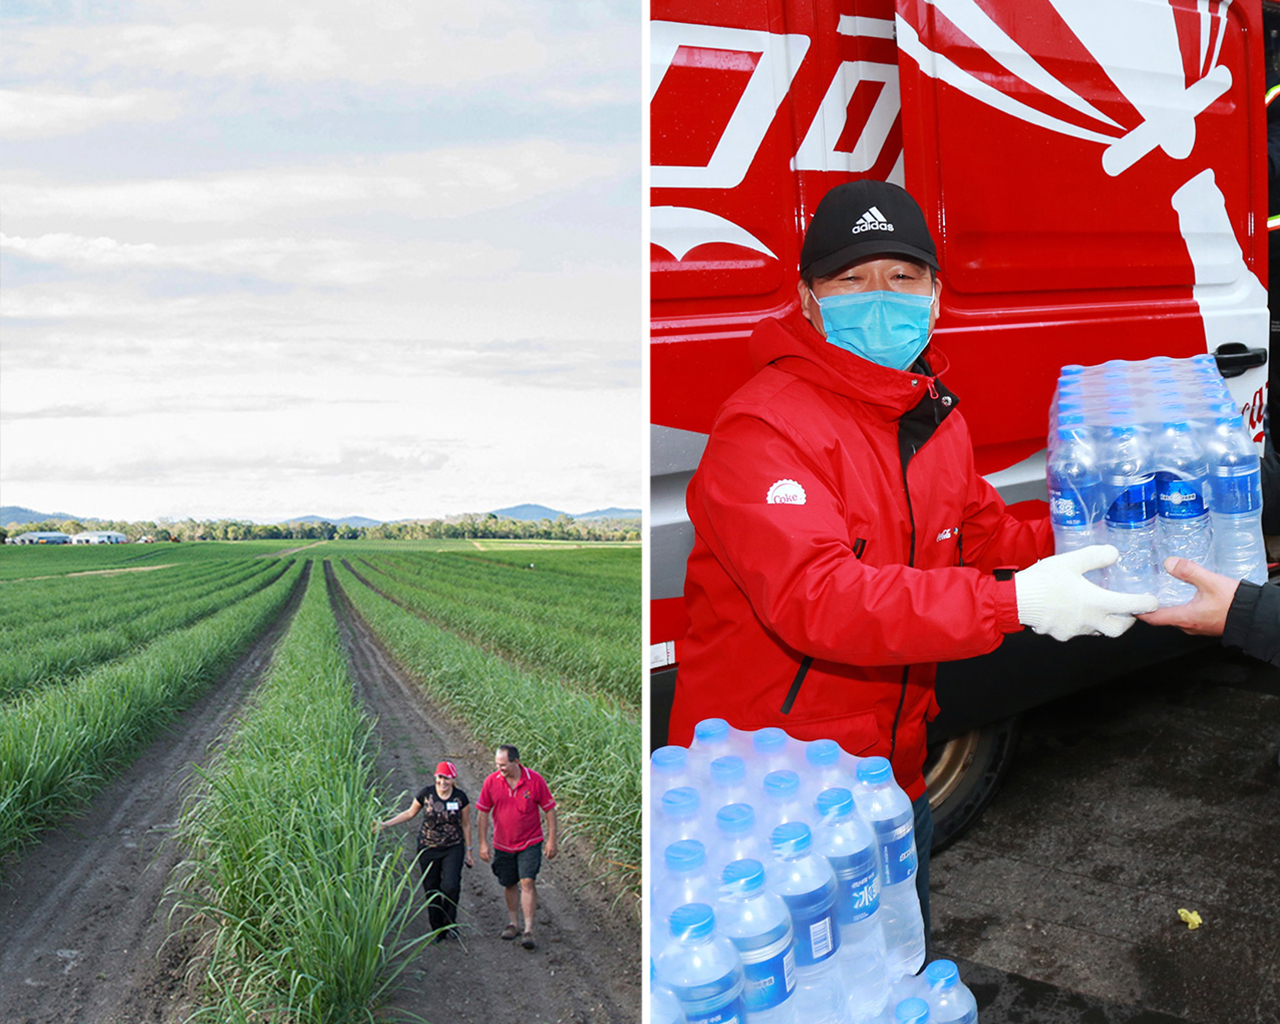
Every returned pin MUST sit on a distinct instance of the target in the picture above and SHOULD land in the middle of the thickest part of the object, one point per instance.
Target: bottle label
(859, 896)
(1135, 505)
(769, 982)
(816, 936)
(1072, 507)
(1234, 495)
(1181, 499)
(734, 1013)
(897, 849)
(821, 938)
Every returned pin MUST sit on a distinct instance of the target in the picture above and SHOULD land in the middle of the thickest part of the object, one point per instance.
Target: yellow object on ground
(1191, 918)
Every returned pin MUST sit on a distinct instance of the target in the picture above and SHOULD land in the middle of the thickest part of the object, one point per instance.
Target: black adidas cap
(865, 218)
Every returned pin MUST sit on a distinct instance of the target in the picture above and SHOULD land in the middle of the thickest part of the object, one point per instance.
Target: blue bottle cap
(835, 802)
(1071, 370)
(874, 770)
(769, 740)
(692, 922)
(781, 785)
(685, 855)
(736, 818)
(823, 753)
(711, 730)
(942, 974)
(728, 770)
(743, 876)
(669, 760)
(681, 802)
(909, 1011)
(791, 838)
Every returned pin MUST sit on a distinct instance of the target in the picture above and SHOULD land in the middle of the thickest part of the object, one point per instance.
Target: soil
(87, 931)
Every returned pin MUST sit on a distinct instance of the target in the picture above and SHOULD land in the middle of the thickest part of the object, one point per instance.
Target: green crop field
(103, 647)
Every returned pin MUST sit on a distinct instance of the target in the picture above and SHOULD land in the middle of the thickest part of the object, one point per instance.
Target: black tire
(963, 775)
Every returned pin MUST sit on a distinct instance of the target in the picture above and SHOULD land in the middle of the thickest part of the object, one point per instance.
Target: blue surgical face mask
(888, 328)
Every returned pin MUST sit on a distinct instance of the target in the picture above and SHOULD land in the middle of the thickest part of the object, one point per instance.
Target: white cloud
(450, 182)
(334, 262)
(35, 114)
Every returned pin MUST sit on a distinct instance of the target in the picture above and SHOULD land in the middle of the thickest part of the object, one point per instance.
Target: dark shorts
(511, 867)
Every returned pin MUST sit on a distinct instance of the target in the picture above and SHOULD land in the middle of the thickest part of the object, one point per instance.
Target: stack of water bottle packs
(1154, 458)
(784, 888)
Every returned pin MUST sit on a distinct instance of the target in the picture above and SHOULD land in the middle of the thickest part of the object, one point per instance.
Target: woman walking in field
(444, 844)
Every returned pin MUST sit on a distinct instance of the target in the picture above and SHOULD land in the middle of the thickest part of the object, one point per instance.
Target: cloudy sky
(260, 260)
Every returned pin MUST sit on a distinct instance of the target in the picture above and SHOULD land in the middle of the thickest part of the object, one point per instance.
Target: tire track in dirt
(85, 925)
(586, 969)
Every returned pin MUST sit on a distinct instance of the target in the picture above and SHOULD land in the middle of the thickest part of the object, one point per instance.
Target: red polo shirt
(516, 823)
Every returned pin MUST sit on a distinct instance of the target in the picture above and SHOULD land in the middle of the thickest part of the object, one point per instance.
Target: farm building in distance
(41, 537)
(99, 537)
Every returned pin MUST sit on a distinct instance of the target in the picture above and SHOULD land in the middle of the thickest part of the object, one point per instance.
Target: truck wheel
(963, 775)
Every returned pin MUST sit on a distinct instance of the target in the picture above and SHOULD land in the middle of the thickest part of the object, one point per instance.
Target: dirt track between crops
(82, 913)
(586, 967)
(84, 930)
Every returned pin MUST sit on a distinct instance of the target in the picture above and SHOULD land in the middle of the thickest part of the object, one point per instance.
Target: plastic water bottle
(759, 925)
(950, 1001)
(669, 769)
(679, 817)
(773, 750)
(781, 800)
(1131, 519)
(712, 738)
(1075, 487)
(664, 1007)
(739, 836)
(728, 782)
(1184, 529)
(685, 878)
(850, 848)
(826, 767)
(886, 808)
(702, 968)
(807, 885)
(912, 1011)
(1235, 502)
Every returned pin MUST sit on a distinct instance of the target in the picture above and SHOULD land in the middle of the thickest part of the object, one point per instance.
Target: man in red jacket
(844, 542)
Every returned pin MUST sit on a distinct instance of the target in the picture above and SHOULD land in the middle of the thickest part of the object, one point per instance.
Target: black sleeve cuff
(1253, 622)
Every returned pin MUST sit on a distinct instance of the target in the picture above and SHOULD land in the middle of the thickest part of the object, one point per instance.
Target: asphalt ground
(1128, 802)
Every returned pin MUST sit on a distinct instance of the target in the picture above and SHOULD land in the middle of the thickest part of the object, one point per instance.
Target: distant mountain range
(11, 515)
(535, 512)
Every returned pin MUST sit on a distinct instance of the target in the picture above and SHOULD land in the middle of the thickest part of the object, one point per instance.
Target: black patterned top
(441, 819)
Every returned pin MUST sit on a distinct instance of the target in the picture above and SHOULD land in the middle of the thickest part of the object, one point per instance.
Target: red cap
(447, 768)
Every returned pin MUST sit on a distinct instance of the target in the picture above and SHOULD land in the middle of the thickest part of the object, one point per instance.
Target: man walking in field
(513, 795)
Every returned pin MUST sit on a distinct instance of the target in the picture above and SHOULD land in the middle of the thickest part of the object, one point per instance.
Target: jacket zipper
(911, 561)
(859, 546)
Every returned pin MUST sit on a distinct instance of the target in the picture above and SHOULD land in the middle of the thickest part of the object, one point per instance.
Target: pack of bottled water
(1154, 457)
(783, 887)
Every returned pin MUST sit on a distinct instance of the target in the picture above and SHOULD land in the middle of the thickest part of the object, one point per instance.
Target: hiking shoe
(527, 941)
(510, 931)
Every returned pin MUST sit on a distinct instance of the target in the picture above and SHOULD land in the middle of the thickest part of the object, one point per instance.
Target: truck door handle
(1235, 357)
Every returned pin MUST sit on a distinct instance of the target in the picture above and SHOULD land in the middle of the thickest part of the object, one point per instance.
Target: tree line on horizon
(465, 527)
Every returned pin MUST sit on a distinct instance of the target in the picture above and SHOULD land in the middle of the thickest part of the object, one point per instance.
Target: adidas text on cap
(861, 219)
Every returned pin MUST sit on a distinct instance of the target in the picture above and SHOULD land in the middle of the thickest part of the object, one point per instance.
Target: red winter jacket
(823, 587)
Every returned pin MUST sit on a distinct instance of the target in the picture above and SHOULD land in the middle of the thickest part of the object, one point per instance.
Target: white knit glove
(1055, 598)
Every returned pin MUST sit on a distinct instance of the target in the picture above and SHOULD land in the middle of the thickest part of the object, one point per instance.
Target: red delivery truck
(1095, 175)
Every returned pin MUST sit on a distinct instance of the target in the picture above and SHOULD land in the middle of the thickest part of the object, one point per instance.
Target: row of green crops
(582, 627)
(51, 602)
(30, 658)
(26, 562)
(59, 743)
(587, 746)
(311, 910)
